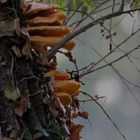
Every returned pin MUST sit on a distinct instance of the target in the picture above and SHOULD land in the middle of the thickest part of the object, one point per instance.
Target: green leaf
(62, 3)
(89, 4)
(75, 4)
(12, 94)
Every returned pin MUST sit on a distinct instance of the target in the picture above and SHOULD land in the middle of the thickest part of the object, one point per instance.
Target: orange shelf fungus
(54, 18)
(68, 86)
(76, 93)
(40, 8)
(60, 16)
(65, 98)
(39, 42)
(62, 76)
(45, 27)
(58, 75)
(49, 30)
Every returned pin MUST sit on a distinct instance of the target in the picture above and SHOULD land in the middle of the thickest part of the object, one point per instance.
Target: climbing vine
(37, 101)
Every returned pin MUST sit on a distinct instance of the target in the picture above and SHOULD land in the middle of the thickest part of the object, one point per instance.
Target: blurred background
(119, 102)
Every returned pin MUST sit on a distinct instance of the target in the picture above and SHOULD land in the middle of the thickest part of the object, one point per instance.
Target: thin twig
(70, 17)
(110, 26)
(88, 100)
(116, 47)
(90, 13)
(133, 64)
(110, 63)
(108, 116)
(62, 43)
(130, 90)
(135, 57)
(124, 80)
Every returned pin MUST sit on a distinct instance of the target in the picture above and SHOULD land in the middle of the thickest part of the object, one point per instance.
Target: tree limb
(62, 43)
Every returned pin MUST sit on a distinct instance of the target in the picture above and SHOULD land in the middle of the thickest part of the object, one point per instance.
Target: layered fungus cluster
(37, 101)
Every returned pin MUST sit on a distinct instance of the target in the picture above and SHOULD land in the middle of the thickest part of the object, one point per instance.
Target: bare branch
(90, 13)
(72, 14)
(55, 49)
(106, 65)
(121, 43)
(108, 116)
(133, 64)
(124, 80)
(93, 12)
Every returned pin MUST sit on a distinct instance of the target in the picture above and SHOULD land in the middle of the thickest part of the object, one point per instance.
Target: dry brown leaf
(16, 51)
(22, 5)
(22, 107)
(75, 132)
(84, 114)
(65, 98)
